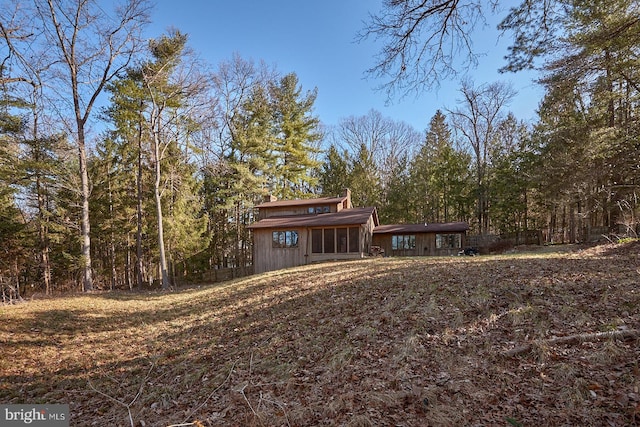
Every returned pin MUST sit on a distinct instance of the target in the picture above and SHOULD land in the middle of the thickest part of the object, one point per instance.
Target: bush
(499, 246)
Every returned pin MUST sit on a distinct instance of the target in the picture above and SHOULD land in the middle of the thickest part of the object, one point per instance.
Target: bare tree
(88, 47)
(28, 75)
(422, 41)
(387, 140)
(427, 41)
(476, 121)
(234, 82)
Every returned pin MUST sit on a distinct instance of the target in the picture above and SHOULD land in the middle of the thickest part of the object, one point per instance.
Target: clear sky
(316, 40)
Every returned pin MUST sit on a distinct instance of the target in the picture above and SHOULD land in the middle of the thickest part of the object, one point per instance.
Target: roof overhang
(303, 202)
(445, 227)
(354, 216)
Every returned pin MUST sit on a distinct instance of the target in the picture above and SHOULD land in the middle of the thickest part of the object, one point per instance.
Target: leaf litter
(393, 341)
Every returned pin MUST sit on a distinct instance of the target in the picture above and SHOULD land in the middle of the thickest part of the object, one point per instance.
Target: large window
(284, 239)
(332, 240)
(448, 241)
(403, 242)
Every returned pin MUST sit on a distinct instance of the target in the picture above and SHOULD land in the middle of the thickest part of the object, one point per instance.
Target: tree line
(127, 163)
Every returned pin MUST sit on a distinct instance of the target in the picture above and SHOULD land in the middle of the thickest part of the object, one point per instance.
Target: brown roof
(354, 216)
(303, 202)
(446, 227)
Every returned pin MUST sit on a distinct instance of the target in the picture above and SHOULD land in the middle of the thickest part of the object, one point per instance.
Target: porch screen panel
(354, 239)
(316, 241)
(329, 240)
(341, 235)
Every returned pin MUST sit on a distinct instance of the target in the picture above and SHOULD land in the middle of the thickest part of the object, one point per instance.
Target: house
(421, 239)
(289, 233)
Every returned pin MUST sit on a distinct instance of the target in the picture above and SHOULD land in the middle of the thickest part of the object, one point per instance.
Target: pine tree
(128, 103)
(114, 207)
(186, 224)
(439, 177)
(510, 182)
(151, 112)
(397, 206)
(334, 172)
(587, 118)
(239, 159)
(15, 248)
(295, 137)
(365, 184)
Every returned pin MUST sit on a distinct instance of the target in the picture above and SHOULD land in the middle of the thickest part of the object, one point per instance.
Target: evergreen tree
(128, 102)
(167, 90)
(250, 158)
(151, 110)
(295, 137)
(439, 177)
(396, 207)
(240, 158)
(114, 206)
(186, 224)
(510, 180)
(586, 119)
(12, 228)
(334, 172)
(366, 187)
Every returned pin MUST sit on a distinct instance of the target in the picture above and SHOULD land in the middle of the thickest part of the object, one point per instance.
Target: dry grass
(407, 342)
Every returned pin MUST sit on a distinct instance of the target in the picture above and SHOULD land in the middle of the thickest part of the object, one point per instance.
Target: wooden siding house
(290, 233)
(421, 239)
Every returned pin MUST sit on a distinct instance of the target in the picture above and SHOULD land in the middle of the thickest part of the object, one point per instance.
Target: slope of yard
(394, 342)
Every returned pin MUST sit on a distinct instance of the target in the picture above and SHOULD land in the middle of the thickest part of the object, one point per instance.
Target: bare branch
(624, 334)
(422, 41)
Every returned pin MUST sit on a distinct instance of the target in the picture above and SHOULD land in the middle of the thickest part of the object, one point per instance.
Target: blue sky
(316, 40)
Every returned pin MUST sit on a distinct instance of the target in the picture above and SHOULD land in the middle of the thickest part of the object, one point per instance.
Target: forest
(128, 164)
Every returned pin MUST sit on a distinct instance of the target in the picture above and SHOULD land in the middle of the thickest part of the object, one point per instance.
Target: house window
(284, 239)
(403, 242)
(332, 240)
(448, 241)
(319, 209)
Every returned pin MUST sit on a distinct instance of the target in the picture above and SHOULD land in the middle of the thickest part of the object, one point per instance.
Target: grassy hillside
(398, 342)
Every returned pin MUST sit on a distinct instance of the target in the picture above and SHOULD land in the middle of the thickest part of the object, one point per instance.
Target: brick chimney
(347, 203)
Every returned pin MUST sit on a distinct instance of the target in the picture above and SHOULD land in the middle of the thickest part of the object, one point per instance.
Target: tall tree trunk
(156, 189)
(45, 263)
(139, 265)
(127, 266)
(43, 229)
(95, 49)
(112, 243)
(85, 225)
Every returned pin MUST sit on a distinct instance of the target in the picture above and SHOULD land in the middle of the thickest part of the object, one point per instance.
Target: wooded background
(156, 184)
